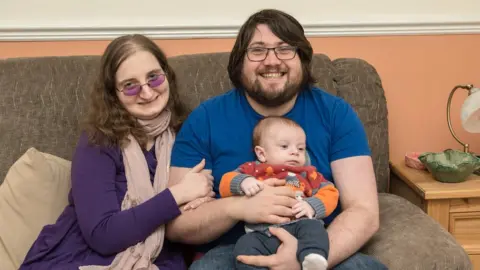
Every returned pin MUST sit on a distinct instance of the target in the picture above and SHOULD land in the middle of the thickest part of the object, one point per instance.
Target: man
(270, 69)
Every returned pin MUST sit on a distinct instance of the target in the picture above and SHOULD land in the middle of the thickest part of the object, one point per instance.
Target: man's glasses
(132, 89)
(258, 54)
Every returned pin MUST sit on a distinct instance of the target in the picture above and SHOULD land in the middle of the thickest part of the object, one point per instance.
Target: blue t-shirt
(220, 130)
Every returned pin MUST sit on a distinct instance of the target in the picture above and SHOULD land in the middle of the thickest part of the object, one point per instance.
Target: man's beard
(271, 98)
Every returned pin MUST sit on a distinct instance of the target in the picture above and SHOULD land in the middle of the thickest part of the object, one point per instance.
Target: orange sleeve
(329, 196)
(226, 183)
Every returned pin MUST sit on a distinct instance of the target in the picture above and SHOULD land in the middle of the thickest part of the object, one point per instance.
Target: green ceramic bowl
(477, 172)
(450, 166)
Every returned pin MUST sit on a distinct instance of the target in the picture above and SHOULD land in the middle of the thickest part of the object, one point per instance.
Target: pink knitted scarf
(139, 189)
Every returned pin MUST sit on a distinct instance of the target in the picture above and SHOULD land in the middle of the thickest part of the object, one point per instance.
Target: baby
(279, 145)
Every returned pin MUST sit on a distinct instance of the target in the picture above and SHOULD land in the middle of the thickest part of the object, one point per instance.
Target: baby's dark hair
(267, 122)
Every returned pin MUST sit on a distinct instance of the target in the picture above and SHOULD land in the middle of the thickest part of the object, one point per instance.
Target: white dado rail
(23, 20)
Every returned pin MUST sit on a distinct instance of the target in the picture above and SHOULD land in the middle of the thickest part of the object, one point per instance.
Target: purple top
(92, 229)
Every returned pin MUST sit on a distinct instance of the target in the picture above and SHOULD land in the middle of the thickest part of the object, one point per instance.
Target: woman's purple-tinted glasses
(132, 89)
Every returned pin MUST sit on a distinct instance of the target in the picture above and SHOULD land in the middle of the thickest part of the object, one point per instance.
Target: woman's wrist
(177, 194)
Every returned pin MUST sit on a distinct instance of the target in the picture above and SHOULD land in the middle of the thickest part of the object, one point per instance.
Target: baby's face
(284, 144)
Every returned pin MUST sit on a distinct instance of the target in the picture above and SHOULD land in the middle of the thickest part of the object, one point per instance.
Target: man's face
(271, 82)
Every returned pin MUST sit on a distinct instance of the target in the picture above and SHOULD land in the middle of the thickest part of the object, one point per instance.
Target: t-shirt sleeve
(348, 134)
(192, 142)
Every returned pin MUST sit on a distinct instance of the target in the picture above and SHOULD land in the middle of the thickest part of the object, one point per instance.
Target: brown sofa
(42, 101)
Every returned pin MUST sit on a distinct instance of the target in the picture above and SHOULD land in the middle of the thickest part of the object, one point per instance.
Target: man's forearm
(349, 231)
(203, 224)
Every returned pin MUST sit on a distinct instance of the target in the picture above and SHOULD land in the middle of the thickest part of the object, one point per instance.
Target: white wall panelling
(106, 19)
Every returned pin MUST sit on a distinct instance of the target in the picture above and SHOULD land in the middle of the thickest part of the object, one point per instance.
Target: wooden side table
(456, 206)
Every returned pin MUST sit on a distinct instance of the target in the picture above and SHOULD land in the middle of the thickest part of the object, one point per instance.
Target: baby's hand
(251, 186)
(303, 208)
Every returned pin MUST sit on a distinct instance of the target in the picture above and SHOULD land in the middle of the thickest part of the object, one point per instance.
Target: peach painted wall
(417, 72)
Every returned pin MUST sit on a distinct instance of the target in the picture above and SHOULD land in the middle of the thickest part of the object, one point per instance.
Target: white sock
(314, 262)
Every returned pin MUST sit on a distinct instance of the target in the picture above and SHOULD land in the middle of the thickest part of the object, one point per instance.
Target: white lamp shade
(470, 113)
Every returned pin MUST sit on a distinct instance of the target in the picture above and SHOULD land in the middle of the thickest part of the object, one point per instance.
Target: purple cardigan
(92, 229)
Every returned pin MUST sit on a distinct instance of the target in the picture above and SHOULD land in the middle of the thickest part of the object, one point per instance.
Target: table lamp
(470, 112)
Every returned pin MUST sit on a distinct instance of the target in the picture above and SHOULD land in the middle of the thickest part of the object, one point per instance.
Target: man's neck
(271, 111)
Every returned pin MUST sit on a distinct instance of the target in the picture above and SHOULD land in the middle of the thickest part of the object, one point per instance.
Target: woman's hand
(195, 184)
(199, 201)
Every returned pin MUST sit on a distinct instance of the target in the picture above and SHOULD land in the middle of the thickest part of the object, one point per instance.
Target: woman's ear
(260, 153)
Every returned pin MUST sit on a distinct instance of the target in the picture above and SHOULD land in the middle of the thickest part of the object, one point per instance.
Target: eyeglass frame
(141, 85)
(294, 48)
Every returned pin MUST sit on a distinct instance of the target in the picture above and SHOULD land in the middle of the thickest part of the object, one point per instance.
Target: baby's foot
(314, 262)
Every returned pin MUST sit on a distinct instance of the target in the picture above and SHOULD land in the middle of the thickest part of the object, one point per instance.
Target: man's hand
(285, 258)
(271, 205)
(303, 208)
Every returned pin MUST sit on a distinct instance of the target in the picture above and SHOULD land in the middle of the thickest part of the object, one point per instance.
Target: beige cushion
(34, 193)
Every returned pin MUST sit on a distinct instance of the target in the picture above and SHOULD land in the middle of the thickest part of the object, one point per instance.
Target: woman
(119, 202)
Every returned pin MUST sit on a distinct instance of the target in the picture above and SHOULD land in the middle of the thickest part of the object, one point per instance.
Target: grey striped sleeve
(317, 205)
(235, 188)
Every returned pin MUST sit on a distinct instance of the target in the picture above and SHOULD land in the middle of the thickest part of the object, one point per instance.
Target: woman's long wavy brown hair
(108, 123)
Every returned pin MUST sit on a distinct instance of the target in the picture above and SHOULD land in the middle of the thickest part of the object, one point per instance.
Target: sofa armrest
(409, 239)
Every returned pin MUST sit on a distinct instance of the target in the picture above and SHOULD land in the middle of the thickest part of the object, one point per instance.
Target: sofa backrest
(43, 100)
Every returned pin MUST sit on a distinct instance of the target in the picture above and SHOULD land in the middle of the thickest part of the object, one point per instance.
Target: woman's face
(142, 85)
